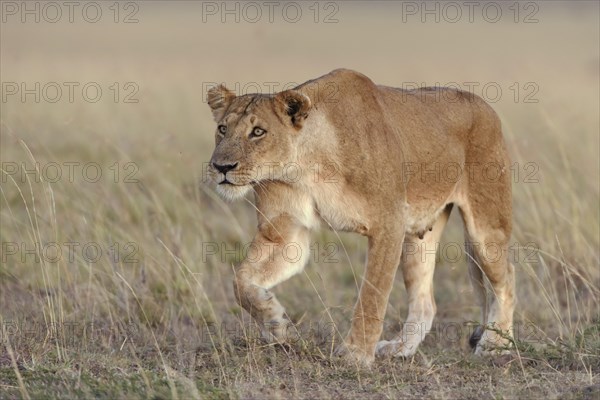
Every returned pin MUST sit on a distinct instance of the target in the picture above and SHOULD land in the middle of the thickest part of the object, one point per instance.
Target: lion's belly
(419, 220)
(420, 215)
(338, 207)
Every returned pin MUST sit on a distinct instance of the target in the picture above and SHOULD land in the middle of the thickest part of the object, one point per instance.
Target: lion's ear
(293, 105)
(219, 98)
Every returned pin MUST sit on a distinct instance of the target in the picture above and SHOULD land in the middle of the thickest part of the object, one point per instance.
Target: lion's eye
(222, 129)
(257, 132)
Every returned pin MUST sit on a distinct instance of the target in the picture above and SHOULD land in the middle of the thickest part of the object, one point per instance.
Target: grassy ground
(128, 293)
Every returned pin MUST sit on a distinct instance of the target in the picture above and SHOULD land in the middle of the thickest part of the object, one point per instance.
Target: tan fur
(378, 161)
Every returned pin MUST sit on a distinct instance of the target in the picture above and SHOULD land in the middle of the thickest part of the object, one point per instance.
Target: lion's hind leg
(418, 265)
(487, 225)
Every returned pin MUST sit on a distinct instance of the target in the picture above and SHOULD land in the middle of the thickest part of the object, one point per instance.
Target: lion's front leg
(367, 323)
(279, 250)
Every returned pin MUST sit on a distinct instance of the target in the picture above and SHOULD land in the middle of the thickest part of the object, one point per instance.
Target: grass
(154, 316)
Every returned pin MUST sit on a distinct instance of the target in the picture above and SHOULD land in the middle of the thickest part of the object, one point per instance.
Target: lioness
(391, 151)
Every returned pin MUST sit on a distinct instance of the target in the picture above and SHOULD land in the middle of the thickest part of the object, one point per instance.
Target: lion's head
(256, 137)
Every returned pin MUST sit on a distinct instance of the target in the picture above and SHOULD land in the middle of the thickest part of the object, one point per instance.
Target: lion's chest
(338, 208)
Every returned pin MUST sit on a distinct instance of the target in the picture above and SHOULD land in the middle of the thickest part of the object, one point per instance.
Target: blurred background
(106, 223)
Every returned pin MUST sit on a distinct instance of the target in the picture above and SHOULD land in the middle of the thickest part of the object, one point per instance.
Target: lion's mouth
(228, 182)
(232, 191)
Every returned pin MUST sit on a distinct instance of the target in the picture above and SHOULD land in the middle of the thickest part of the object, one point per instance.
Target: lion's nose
(225, 167)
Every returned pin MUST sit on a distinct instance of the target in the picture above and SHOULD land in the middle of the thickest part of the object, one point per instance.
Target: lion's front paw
(354, 354)
(280, 331)
(394, 348)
